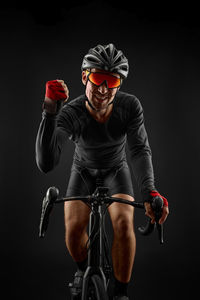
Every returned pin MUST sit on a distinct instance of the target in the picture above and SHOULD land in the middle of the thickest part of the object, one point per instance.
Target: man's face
(99, 96)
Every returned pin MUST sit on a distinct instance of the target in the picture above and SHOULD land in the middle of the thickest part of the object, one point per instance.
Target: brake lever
(47, 206)
(157, 206)
(159, 227)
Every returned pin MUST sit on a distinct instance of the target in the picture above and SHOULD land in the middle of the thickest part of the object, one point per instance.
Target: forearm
(143, 172)
(141, 157)
(48, 144)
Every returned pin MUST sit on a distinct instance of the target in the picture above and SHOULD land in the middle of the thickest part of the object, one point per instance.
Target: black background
(49, 42)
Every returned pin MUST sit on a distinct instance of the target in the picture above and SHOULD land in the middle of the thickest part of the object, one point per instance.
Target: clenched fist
(56, 93)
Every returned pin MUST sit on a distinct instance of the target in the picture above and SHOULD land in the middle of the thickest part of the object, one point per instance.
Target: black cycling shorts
(83, 181)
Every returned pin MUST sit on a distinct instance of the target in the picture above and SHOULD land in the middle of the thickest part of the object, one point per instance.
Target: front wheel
(96, 289)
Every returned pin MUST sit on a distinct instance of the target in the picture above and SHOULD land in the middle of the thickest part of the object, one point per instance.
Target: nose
(103, 88)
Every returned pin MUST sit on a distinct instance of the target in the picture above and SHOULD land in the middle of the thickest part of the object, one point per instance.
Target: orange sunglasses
(98, 78)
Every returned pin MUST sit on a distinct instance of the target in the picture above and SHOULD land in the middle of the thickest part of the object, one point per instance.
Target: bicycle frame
(96, 249)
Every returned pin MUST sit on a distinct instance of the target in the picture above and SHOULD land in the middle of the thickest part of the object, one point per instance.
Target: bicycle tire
(96, 289)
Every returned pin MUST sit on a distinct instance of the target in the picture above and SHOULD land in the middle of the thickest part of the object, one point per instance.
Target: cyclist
(100, 122)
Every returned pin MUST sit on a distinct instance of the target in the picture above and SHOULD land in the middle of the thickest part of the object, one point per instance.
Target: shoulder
(128, 103)
(76, 103)
(71, 112)
(74, 107)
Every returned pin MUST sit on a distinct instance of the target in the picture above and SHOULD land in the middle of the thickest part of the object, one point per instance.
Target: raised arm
(54, 128)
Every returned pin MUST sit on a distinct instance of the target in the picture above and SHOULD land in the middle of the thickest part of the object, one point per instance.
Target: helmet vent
(115, 53)
(104, 56)
(107, 51)
(92, 59)
(118, 60)
(125, 68)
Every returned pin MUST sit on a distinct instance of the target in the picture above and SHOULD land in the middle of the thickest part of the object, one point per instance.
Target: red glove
(55, 91)
(155, 193)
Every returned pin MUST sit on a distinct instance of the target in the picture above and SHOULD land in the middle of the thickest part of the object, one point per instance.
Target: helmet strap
(90, 104)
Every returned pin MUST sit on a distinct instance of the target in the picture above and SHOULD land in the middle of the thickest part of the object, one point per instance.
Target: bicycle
(97, 274)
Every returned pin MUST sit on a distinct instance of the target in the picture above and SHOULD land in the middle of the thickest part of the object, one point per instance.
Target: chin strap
(111, 102)
(90, 104)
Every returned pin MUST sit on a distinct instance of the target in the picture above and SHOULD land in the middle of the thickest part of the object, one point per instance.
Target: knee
(74, 229)
(123, 227)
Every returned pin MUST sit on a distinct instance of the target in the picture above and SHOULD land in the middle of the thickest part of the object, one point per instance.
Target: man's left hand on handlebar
(149, 211)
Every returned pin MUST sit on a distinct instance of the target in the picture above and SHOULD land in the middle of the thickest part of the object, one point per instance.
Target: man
(100, 123)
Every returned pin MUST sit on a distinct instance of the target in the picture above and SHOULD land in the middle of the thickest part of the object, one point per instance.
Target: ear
(84, 77)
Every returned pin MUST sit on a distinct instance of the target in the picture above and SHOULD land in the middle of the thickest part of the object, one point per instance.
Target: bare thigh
(76, 214)
(121, 214)
(76, 222)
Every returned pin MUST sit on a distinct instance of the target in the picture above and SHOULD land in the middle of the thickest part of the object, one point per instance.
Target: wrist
(146, 195)
(149, 195)
(154, 193)
(49, 106)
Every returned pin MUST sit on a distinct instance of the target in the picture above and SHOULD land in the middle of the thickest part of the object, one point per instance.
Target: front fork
(95, 252)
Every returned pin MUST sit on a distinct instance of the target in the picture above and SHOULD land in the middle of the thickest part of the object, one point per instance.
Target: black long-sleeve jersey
(98, 145)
